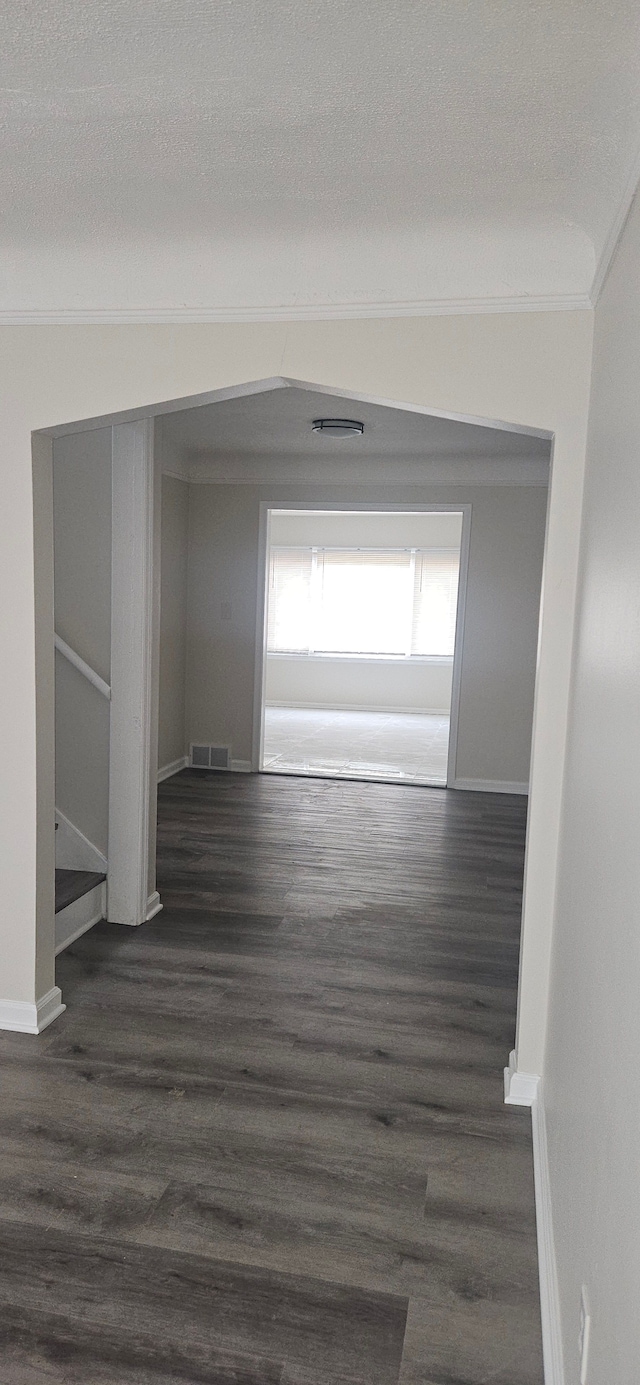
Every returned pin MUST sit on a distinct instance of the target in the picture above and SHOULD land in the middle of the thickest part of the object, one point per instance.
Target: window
(388, 602)
(289, 613)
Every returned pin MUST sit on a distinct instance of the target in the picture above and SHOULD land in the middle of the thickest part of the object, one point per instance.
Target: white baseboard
(28, 1018)
(525, 1089)
(80, 916)
(173, 768)
(154, 905)
(361, 707)
(549, 1297)
(74, 851)
(490, 786)
(520, 1088)
(235, 766)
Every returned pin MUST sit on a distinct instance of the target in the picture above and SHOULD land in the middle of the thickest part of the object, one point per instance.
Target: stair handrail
(82, 667)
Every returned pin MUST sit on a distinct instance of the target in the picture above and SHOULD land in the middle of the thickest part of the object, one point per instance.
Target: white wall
(368, 684)
(82, 567)
(593, 1046)
(528, 368)
(173, 620)
(501, 625)
(401, 530)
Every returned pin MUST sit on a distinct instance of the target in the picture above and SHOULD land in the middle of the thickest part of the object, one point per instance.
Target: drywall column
(131, 894)
(29, 999)
(48, 998)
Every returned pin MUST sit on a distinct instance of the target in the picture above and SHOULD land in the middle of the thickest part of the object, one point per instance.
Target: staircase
(80, 883)
(73, 884)
(80, 865)
(80, 902)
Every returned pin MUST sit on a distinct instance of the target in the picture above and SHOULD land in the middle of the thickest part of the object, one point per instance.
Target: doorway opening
(362, 642)
(171, 622)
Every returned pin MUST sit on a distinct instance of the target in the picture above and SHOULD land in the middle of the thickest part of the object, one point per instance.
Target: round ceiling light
(338, 427)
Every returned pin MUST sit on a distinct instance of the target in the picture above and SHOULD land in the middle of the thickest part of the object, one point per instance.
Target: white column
(131, 895)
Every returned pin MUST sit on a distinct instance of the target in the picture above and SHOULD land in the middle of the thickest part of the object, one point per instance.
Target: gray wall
(173, 620)
(501, 633)
(593, 1041)
(221, 631)
(498, 673)
(82, 577)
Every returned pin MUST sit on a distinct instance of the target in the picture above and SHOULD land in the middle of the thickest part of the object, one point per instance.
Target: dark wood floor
(266, 1143)
(73, 884)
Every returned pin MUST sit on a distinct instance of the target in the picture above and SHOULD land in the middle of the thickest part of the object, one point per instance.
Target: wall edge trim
(549, 1296)
(290, 312)
(520, 1088)
(28, 1017)
(173, 767)
(615, 231)
(359, 707)
(154, 905)
(491, 786)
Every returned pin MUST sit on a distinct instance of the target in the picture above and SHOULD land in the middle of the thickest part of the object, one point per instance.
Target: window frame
(298, 502)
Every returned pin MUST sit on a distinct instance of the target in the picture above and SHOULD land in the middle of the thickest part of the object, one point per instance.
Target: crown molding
(470, 471)
(428, 307)
(615, 231)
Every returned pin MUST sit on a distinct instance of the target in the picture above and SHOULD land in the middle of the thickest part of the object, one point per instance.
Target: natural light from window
(376, 602)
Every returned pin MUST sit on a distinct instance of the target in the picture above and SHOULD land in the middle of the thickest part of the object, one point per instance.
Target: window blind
(435, 601)
(362, 601)
(289, 599)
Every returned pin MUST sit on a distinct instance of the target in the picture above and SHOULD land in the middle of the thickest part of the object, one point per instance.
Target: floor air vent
(210, 757)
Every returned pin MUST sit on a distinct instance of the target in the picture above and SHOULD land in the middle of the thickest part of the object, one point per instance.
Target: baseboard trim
(490, 786)
(549, 1297)
(174, 768)
(241, 766)
(525, 1089)
(154, 905)
(93, 904)
(27, 1018)
(520, 1088)
(74, 851)
(360, 707)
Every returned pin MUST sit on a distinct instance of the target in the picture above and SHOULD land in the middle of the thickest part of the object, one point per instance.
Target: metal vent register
(210, 757)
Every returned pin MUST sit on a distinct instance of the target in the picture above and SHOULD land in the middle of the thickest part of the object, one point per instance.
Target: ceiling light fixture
(338, 427)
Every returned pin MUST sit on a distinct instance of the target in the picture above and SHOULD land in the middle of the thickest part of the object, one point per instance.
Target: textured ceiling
(180, 153)
(219, 440)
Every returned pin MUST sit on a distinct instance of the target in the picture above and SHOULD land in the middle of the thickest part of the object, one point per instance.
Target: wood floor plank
(169, 1298)
(272, 1118)
(451, 1255)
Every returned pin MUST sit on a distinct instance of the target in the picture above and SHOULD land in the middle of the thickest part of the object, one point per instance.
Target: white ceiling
(269, 436)
(176, 155)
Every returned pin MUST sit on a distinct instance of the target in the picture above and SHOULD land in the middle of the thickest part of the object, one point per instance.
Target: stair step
(72, 884)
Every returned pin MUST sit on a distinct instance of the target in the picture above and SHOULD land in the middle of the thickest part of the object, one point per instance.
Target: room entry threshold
(382, 747)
